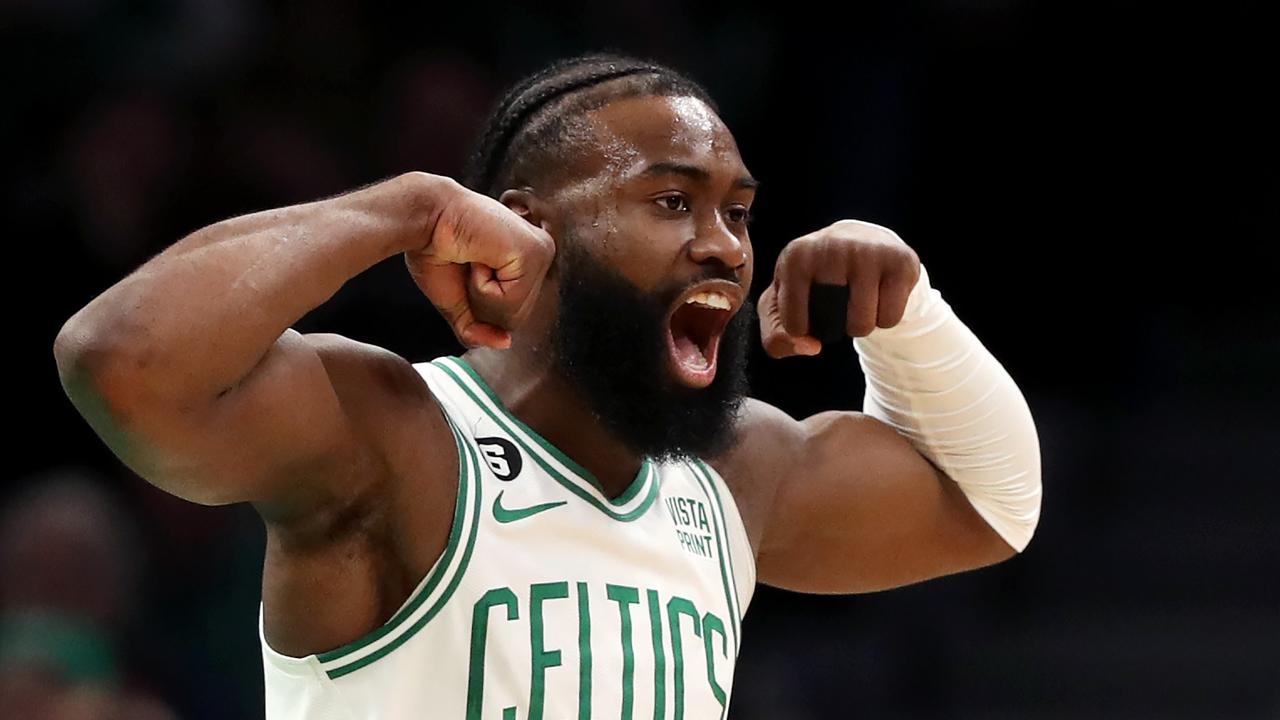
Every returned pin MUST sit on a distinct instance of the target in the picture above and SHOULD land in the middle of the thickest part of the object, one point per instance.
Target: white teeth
(711, 299)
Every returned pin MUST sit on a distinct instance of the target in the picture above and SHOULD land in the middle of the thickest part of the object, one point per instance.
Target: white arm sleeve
(931, 379)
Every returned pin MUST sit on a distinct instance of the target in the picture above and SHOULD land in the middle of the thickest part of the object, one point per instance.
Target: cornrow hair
(534, 127)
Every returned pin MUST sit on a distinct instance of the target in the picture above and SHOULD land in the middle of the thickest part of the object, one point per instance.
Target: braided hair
(539, 124)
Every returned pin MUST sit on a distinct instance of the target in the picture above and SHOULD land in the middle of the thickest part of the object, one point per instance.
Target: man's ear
(526, 204)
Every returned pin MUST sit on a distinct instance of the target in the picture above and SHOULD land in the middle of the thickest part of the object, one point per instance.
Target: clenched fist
(871, 260)
(482, 267)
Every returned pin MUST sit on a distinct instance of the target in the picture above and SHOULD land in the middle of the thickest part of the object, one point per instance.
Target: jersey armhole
(435, 588)
(744, 560)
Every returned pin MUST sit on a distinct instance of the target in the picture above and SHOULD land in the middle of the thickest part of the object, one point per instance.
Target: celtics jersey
(551, 600)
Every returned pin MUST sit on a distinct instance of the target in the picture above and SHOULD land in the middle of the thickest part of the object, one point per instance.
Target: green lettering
(676, 607)
(626, 597)
(711, 625)
(479, 633)
(584, 653)
(542, 658)
(659, 657)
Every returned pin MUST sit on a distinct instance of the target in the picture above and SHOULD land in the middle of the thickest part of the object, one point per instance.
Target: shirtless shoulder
(765, 447)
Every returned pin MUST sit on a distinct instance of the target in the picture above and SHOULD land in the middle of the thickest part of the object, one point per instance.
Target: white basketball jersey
(551, 600)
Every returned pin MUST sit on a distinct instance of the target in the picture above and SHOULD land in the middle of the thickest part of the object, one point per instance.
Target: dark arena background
(1092, 186)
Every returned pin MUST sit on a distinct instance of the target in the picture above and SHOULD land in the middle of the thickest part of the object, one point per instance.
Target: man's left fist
(872, 260)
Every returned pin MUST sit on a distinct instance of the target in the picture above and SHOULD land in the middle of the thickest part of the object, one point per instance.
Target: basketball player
(567, 520)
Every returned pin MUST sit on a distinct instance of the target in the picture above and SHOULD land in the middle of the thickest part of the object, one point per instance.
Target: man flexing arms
(569, 517)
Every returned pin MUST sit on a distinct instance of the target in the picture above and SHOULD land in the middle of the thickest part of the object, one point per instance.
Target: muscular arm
(188, 368)
(842, 503)
(940, 472)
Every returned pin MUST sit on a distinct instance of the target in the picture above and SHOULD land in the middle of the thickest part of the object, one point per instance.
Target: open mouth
(694, 330)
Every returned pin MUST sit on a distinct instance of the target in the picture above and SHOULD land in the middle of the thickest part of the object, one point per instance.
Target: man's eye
(673, 201)
(679, 199)
(676, 202)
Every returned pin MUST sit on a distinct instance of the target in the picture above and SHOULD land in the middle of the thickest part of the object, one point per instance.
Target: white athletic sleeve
(932, 379)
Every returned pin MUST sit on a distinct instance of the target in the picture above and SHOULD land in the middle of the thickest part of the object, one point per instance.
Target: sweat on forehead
(533, 132)
(630, 135)
(611, 137)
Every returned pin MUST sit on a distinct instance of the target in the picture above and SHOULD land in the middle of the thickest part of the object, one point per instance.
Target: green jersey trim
(632, 504)
(393, 633)
(583, 474)
(733, 572)
(722, 545)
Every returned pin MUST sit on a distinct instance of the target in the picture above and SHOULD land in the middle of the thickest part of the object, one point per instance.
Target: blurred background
(1092, 186)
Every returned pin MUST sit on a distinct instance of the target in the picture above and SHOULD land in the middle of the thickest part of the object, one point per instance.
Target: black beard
(609, 342)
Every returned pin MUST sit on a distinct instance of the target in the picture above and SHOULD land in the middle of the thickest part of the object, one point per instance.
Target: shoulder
(385, 395)
(397, 419)
(355, 365)
(772, 449)
(766, 438)
(768, 443)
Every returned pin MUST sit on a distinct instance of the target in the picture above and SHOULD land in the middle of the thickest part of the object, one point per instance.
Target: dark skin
(188, 370)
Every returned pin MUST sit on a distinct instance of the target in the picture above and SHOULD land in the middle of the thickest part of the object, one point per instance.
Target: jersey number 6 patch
(502, 456)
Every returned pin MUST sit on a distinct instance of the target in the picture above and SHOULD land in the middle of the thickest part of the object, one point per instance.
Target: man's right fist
(482, 267)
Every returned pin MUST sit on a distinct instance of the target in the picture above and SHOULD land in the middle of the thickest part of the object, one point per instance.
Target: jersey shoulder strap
(741, 557)
(459, 410)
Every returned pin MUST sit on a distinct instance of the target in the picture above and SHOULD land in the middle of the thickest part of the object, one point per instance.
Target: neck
(524, 380)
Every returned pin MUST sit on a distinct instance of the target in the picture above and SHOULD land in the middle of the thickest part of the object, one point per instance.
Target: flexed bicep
(855, 508)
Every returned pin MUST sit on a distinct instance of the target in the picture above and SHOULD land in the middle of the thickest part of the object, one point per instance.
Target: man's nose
(715, 240)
